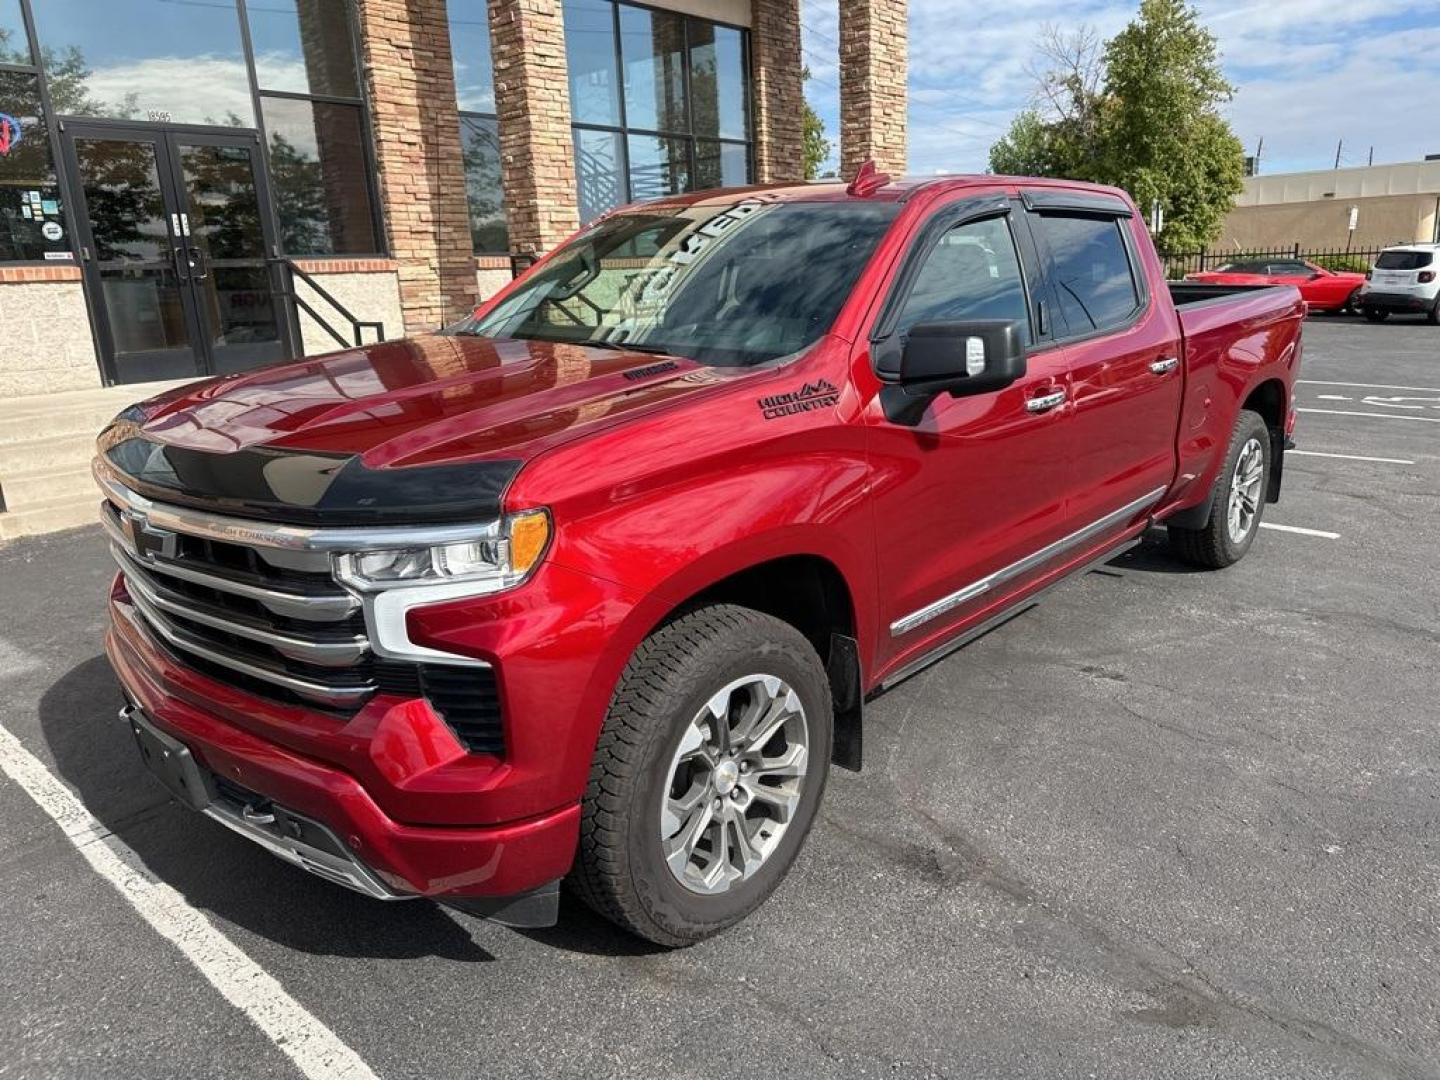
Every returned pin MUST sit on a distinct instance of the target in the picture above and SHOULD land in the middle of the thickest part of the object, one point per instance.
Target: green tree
(1142, 113)
(817, 147)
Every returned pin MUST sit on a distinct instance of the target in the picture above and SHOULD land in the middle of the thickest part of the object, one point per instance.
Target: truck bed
(1189, 293)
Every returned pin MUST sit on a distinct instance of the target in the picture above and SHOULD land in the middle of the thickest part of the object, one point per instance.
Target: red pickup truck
(596, 584)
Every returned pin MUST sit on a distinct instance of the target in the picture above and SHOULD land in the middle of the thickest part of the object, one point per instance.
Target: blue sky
(1308, 73)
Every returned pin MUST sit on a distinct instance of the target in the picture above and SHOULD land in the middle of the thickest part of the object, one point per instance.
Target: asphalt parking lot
(1166, 824)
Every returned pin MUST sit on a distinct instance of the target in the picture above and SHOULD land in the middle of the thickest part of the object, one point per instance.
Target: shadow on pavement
(1152, 556)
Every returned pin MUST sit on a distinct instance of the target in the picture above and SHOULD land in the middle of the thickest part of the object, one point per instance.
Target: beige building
(199, 189)
(1390, 204)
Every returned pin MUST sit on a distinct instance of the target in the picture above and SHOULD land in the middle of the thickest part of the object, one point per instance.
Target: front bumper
(362, 847)
(1397, 301)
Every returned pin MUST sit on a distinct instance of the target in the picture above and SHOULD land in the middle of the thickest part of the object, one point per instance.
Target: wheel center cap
(727, 775)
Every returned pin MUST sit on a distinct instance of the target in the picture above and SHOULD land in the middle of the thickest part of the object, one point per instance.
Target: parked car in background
(1321, 289)
(1405, 279)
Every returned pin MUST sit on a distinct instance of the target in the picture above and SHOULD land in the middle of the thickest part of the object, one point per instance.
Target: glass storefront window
(682, 120)
(658, 166)
(600, 172)
(318, 176)
(32, 218)
(303, 47)
(719, 91)
(652, 45)
(14, 45)
(470, 50)
(480, 148)
(720, 164)
(590, 52)
(479, 129)
(145, 60)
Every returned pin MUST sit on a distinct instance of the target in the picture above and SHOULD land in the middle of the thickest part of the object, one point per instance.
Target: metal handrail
(357, 326)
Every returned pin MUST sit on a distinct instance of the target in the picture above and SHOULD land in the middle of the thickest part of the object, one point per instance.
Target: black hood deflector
(301, 487)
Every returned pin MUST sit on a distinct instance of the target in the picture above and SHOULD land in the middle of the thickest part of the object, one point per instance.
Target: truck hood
(428, 427)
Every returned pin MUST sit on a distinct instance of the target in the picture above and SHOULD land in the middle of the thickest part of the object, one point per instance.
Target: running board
(1000, 618)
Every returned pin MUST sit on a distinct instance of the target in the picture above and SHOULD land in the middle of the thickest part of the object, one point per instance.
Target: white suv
(1405, 278)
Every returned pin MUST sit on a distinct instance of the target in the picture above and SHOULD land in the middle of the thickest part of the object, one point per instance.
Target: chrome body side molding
(1078, 538)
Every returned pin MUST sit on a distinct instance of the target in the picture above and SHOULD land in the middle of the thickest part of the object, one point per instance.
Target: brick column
(532, 100)
(874, 62)
(411, 83)
(779, 100)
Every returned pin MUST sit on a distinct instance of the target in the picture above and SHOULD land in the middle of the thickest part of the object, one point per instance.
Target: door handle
(1045, 402)
(182, 264)
(1165, 365)
(198, 263)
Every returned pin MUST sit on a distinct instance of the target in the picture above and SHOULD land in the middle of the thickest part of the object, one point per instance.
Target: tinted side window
(1403, 260)
(972, 273)
(1093, 279)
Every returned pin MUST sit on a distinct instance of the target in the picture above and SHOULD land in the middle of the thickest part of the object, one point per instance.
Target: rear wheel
(1238, 502)
(707, 775)
(1376, 315)
(1434, 314)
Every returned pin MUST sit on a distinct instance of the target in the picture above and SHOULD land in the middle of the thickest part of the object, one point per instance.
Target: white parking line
(1349, 457)
(1302, 532)
(316, 1050)
(1376, 415)
(1367, 385)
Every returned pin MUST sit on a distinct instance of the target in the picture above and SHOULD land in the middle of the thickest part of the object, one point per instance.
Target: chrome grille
(257, 606)
(291, 628)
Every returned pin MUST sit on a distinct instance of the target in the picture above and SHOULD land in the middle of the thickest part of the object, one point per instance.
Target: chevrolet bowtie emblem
(147, 540)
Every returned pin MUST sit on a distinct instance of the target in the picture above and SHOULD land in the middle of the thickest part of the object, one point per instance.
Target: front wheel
(708, 773)
(1237, 504)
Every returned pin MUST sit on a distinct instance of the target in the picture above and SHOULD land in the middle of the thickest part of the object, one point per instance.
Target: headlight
(499, 558)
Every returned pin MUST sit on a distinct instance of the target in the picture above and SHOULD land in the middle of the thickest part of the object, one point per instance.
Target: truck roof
(897, 189)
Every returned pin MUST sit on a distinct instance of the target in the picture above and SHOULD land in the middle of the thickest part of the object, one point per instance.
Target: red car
(1321, 289)
(598, 583)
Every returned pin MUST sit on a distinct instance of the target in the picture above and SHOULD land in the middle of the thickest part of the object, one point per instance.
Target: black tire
(620, 870)
(1376, 315)
(1352, 303)
(1211, 546)
(1433, 316)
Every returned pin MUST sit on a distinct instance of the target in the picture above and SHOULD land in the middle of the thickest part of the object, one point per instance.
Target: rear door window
(1091, 271)
(1404, 260)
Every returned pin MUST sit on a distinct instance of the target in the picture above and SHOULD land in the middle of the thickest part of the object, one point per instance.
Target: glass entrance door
(174, 230)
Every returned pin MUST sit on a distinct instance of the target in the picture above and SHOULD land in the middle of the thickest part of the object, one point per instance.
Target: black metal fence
(1180, 263)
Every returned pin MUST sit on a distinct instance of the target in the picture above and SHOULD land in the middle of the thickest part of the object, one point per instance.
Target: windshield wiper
(627, 346)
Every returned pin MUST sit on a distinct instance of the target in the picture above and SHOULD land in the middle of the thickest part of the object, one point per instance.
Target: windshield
(1403, 260)
(725, 285)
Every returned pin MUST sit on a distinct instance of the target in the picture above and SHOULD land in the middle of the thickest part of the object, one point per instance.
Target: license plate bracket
(171, 761)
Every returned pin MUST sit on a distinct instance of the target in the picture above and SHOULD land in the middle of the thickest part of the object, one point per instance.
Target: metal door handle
(1165, 365)
(198, 264)
(1045, 402)
(182, 264)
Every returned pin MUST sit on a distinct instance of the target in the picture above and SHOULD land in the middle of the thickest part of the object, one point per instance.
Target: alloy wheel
(735, 783)
(1245, 490)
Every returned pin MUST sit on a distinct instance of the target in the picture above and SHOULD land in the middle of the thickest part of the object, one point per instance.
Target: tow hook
(256, 814)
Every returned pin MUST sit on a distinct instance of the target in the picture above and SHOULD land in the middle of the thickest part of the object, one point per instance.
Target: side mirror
(973, 357)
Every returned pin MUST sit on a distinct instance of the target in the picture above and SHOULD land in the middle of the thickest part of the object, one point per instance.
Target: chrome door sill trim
(906, 623)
